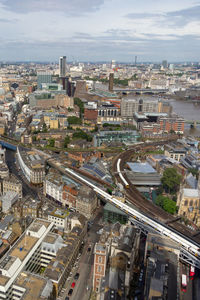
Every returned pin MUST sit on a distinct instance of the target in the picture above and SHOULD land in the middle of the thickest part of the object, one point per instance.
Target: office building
(43, 77)
(62, 66)
(138, 105)
(23, 256)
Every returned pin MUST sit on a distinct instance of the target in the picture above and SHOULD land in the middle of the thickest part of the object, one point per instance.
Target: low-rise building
(59, 218)
(175, 151)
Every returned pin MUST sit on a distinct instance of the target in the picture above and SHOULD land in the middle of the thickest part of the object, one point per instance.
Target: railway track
(142, 204)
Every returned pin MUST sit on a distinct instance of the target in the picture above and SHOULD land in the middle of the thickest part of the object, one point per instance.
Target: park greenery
(80, 134)
(66, 141)
(170, 184)
(74, 120)
(171, 180)
(51, 142)
(166, 203)
(80, 104)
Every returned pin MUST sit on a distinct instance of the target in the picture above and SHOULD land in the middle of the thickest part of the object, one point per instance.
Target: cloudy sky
(97, 30)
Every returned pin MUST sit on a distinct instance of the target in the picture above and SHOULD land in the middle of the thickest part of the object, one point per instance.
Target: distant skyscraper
(62, 66)
(111, 81)
(113, 64)
(135, 60)
(43, 77)
(165, 64)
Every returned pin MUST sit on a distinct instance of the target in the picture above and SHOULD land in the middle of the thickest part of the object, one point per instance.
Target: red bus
(183, 283)
(192, 272)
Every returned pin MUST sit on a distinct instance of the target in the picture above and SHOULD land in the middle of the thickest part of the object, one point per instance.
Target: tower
(62, 66)
(111, 82)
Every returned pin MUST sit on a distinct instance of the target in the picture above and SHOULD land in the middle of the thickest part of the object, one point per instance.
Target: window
(99, 269)
(100, 259)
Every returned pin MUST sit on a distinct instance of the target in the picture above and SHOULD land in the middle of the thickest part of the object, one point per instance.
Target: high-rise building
(62, 66)
(43, 77)
(165, 64)
(111, 81)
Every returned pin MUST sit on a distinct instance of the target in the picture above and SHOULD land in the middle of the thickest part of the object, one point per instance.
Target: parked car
(70, 292)
(76, 276)
(73, 285)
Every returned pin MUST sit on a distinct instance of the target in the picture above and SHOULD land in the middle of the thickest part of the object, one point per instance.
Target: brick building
(100, 262)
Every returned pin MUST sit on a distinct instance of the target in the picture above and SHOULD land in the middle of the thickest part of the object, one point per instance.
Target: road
(12, 165)
(84, 266)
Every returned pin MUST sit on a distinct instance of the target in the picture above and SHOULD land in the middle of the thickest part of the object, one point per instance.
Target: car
(66, 298)
(70, 292)
(76, 276)
(73, 285)
(89, 249)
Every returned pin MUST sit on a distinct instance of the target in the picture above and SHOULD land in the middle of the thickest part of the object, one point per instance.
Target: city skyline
(97, 30)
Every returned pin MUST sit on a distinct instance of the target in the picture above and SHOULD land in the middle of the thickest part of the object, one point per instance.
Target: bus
(192, 272)
(183, 283)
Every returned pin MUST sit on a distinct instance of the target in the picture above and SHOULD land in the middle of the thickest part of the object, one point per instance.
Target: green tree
(169, 206)
(80, 134)
(44, 127)
(80, 104)
(166, 203)
(194, 172)
(51, 142)
(171, 180)
(74, 120)
(66, 141)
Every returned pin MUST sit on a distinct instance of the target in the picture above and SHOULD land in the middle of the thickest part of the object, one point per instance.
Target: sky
(100, 30)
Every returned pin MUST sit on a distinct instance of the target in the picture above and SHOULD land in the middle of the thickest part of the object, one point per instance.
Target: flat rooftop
(33, 284)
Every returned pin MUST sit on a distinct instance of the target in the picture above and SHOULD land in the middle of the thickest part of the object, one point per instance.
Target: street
(84, 265)
(12, 165)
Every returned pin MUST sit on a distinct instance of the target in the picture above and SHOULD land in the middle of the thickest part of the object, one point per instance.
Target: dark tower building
(111, 81)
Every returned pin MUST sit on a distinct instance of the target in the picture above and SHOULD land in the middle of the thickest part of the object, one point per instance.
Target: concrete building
(175, 151)
(12, 184)
(32, 165)
(104, 138)
(86, 202)
(62, 66)
(59, 218)
(43, 77)
(7, 200)
(53, 186)
(24, 255)
(138, 105)
(30, 286)
(108, 113)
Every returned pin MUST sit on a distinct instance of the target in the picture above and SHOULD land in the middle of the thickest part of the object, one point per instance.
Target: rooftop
(141, 167)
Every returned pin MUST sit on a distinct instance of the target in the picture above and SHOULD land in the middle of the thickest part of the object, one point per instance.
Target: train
(186, 243)
(126, 184)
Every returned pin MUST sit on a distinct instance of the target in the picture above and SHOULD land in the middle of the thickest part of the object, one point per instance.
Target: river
(190, 111)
